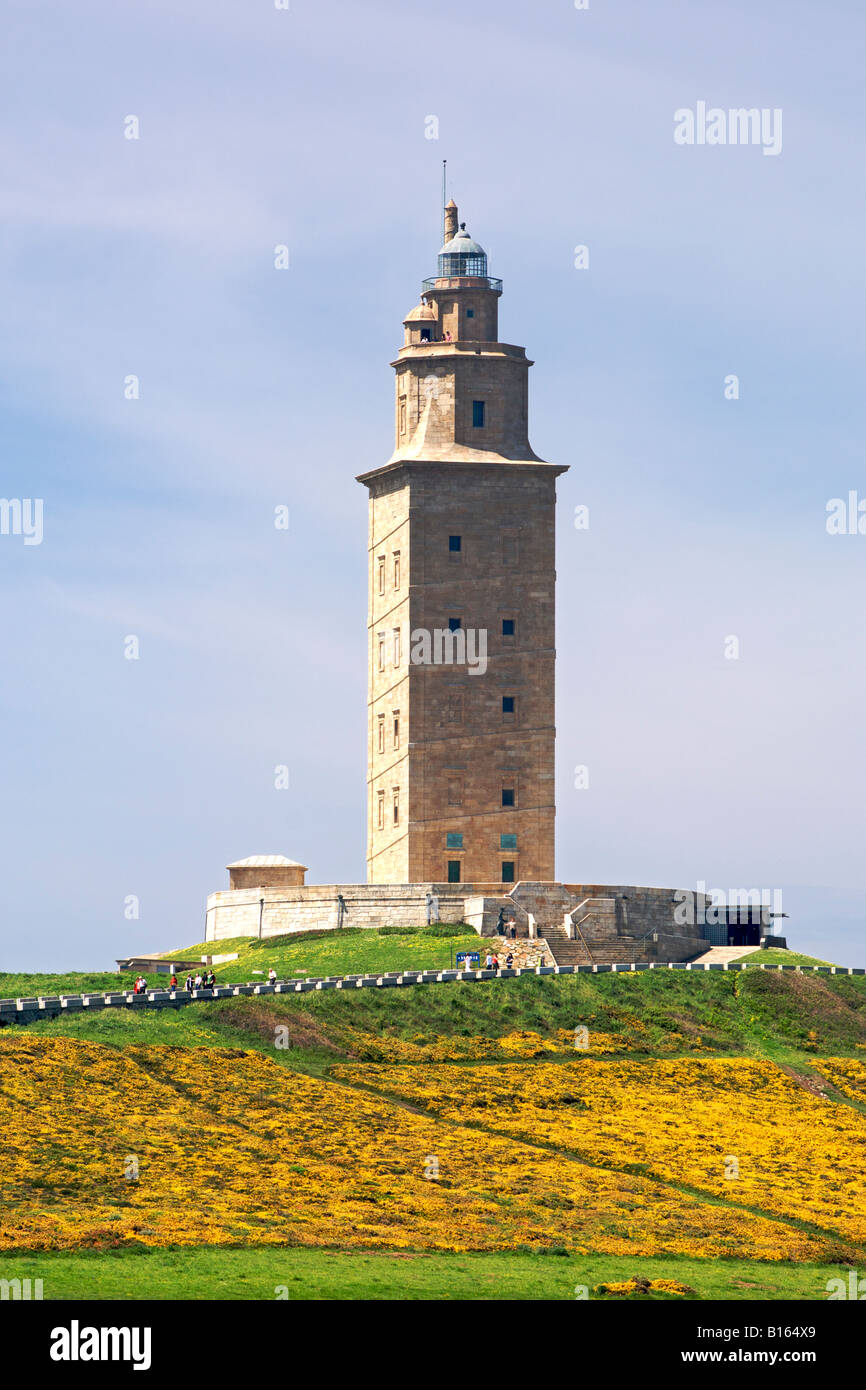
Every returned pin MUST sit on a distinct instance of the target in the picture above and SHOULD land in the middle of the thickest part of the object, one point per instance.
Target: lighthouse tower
(460, 759)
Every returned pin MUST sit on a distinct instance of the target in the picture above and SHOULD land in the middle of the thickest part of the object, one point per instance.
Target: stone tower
(461, 601)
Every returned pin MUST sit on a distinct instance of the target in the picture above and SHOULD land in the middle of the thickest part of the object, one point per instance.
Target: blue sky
(260, 387)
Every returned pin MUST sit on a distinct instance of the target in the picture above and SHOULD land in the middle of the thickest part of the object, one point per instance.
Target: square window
(478, 415)
(470, 313)
(454, 543)
(508, 871)
(453, 870)
(454, 839)
(508, 800)
(507, 627)
(454, 624)
(508, 842)
(508, 704)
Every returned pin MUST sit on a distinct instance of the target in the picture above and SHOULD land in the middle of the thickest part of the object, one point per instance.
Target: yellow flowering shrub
(847, 1075)
(741, 1130)
(102, 1147)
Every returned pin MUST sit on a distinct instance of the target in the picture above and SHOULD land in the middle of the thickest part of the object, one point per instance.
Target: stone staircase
(565, 951)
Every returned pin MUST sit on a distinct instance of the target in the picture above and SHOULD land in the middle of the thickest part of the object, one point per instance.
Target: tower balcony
(461, 282)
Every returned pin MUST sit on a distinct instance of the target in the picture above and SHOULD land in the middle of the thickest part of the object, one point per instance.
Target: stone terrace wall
(637, 912)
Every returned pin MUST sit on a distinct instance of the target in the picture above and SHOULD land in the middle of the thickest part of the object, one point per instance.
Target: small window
(381, 651)
(396, 569)
(396, 728)
(454, 871)
(452, 711)
(380, 810)
(478, 415)
(470, 313)
(402, 414)
(425, 335)
(381, 574)
(508, 842)
(396, 805)
(381, 733)
(508, 800)
(455, 624)
(454, 839)
(507, 627)
(508, 704)
(510, 553)
(396, 646)
(455, 791)
(454, 543)
(508, 871)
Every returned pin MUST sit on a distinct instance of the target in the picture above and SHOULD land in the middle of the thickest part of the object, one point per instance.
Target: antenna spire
(444, 162)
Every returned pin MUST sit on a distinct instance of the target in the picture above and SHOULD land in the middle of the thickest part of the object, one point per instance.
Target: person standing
(188, 985)
(272, 976)
(172, 984)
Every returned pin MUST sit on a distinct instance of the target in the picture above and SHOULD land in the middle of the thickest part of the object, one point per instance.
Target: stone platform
(580, 922)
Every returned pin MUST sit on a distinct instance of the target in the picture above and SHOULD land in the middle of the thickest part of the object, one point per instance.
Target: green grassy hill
(348, 951)
(789, 1018)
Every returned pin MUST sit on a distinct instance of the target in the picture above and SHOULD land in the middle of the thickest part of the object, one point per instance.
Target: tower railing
(461, 282)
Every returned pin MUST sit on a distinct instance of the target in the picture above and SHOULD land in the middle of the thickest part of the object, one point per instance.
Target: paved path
(718, 955)
(30, 1010)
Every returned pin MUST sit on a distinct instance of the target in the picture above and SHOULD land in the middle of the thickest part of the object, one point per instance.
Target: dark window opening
(454, 871)
(507, 627)
(478, 414)
(470, 313)
(508, 704)
(454, 624)
(507, 871)
(454, 542)
(425, 335)
(508, 796)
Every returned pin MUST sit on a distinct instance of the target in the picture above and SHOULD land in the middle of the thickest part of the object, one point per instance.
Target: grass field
(350, 951)
(209, 1273)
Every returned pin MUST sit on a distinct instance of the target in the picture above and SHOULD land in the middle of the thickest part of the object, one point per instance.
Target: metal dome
(462, 256)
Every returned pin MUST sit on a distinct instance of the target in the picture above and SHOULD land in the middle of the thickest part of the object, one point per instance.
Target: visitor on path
(509, 961)
(188, 985)
(172, 984)
(272, 976)
(209, 979)
(488, 961)
(495, 962)
(198, 979)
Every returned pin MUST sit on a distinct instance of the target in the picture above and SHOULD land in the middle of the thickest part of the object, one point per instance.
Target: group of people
(201, 980)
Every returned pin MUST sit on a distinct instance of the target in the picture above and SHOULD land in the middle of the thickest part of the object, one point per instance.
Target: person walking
(495, 962)
(272, 976)
(488, 961)
(188, 985)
